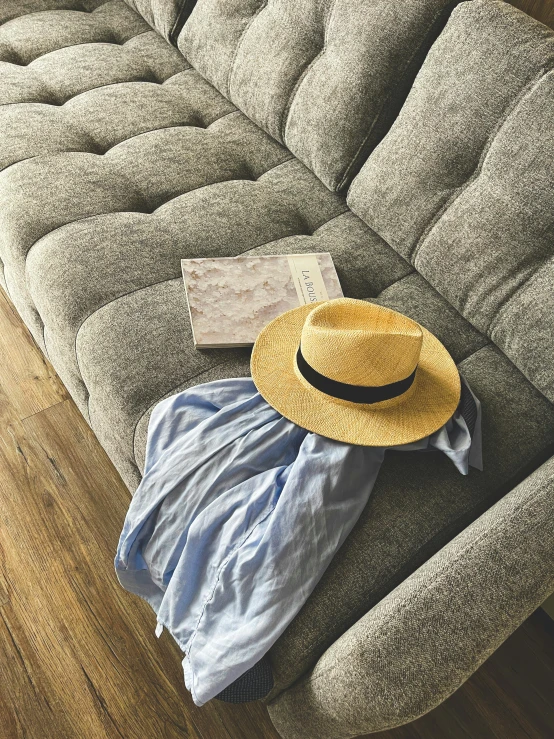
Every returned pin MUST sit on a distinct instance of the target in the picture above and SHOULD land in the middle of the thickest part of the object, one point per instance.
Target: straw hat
(356, 372)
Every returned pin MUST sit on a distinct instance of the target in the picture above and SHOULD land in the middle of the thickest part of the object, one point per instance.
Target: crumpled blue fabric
(238, 515)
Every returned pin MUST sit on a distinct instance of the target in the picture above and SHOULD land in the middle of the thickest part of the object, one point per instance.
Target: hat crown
(361, 343)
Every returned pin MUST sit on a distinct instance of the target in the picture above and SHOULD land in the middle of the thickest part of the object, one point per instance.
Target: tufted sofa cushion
(133, 346)
(50, 51)
(119, 159)
(167, 16)
(138, 347)
(324, 77)
(84, 83)
(10, 9)
(463, 185)
(25, 38)
(217, 204)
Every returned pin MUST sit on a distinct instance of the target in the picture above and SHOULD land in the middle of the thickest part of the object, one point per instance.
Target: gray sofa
(413, 140)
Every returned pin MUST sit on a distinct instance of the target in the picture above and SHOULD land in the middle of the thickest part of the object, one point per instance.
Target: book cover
(231, 299)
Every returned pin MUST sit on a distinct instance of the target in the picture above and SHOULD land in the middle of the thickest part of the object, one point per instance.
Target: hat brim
(432, 400)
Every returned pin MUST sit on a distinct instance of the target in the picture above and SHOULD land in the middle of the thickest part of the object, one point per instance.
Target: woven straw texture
(349, 339)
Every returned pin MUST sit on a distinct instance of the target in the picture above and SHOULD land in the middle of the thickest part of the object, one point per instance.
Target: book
(231, 299)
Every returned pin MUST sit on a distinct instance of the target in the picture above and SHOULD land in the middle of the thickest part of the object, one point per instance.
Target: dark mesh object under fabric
(254, 685)
(468, 408)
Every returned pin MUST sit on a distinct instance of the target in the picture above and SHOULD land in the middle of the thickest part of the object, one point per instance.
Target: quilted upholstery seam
(287, 110)
(460, 558)
(354, 160)
(102, 5)
(400, 279)
(147, 287)
(84, 92)
(107, 151)
(139, 212)
(504, 304)
(71, 10)
(107, 84)
(369, 298)
(240, 41)
(308, 233)
(71, 46)
(488, 345)
(525, 92)
(165, 128)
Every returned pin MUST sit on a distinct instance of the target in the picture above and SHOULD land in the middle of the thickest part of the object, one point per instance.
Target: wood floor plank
(542, 10)
(81, 637)
(26, 377)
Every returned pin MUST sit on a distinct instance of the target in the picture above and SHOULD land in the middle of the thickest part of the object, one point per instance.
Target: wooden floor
(78, 656)
(542, 10)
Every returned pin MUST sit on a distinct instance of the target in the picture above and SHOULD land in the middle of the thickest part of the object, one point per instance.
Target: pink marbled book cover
(232, 298)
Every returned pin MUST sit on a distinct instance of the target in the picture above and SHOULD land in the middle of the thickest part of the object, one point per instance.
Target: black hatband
(354, 393)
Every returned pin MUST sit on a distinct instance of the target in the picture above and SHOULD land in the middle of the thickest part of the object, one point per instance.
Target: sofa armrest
(421, 642)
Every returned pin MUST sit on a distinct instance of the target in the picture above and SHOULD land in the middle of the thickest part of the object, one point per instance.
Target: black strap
(354, 393)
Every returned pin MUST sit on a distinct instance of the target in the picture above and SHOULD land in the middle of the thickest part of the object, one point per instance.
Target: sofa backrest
(463, 184)
(165, 16)
(324, 77)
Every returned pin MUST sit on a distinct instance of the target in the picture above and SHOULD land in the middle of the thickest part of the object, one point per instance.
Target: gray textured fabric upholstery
(10, 9)
(122, 338)
(166, 16)
(27, 37)
(417, 506)
(325, 77)
(430, 634)
(463, 185)
(154, 197)
(117, 159)
(69, 82)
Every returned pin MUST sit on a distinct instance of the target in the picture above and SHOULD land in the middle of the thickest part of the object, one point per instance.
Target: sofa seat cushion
(324, 77)
(463, 184)
(122, 269)
(138, 348)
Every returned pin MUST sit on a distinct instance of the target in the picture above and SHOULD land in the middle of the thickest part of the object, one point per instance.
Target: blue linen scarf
(237, 517)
